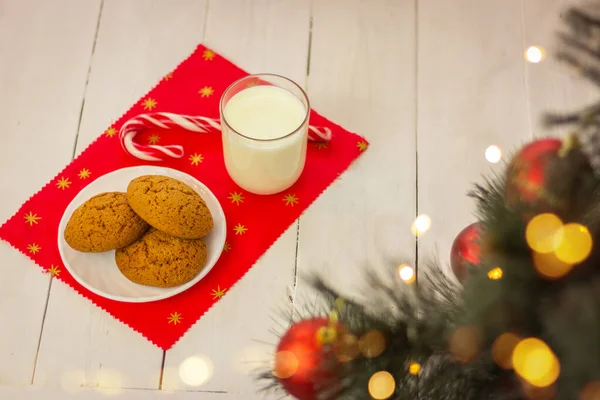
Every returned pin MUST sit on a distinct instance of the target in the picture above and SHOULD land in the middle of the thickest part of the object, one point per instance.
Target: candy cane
(153, 152)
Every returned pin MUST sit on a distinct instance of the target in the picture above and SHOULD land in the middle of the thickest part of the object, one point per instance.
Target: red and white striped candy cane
(154, 152)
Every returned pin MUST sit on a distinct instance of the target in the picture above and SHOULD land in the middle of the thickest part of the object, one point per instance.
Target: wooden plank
(45, 50)
(551, 85)
(471, 94)
(259, 36)
(362, 76)
(138, 42)
(49, 393)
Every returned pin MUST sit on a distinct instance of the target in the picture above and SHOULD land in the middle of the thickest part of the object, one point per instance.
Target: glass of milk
(264, 124)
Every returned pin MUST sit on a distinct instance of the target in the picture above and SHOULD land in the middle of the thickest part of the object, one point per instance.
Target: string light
(286, 364)
(534, 54)
(503, 348)
(493, 154)
(421, 225)
(549, 266)
(414, 368)
(533, 360)
(575, 245)
(407, 273)
(196, 371)
(495, 273)
(372, 344)
(464, 343)
(544, 233)
(382, 385)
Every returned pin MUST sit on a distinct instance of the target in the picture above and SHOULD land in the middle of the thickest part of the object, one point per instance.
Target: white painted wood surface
(429, 84)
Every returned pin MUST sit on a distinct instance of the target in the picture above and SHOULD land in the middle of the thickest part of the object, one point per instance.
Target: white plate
(98, 272)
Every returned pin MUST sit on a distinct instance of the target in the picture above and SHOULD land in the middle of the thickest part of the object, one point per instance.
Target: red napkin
(193, 88)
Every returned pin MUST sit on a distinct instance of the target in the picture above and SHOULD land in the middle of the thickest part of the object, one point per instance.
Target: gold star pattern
(168, 76)
(240, 229)
(218, 292)
(84, 173)
(236, 198)
(208, 55)
(226, 247)
(32, 219)
(153, 139)
(362, 145)
(149, 104)
(175, 318)
(110, 132)
(34, 248)
(196, 158)
(321, 145)
(63, 183)
(290, 200)
(206, 91)
(54, 270)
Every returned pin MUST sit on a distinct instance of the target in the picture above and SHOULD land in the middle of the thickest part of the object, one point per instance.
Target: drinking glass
(264, 125)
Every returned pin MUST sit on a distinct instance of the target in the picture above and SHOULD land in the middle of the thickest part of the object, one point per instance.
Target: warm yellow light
(195, 371)
(421, 225)
(286, 364)
(591, 391)
(534, 361)
(549, 266)
(346, 348)
(465, 342)
(575, 245)
(503, 348)
(544, 233)
(493, 154)
(382, 385)
(407, 273)
(414, 368)
(495, 274)
(534, 54)
(372, 344)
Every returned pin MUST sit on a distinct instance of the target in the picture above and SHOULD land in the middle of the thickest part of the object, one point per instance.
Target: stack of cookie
(157, 229)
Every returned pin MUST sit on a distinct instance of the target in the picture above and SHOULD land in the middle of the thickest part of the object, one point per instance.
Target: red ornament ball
(299, 356)
(527, 172)
(465, 251)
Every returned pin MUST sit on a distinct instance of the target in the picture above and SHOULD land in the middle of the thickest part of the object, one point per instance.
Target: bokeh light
(407, 273)
(347, 348)
(549, 266)
(73, 381)
(286, 364)
(535, 362)
(495, 273)
(534, 54)
(465, 342)
(544, 233)
(493, 154)
(196, 370)
(372, 344)
(110, 382)
(503, 348)
(591, 391)
(575, 244)
(414, 368)
(382, 385)
(421, 225)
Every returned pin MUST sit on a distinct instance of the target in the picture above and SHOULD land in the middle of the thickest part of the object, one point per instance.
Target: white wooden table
(430, 83)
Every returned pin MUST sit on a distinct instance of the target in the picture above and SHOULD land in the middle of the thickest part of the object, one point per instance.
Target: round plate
(98, 272)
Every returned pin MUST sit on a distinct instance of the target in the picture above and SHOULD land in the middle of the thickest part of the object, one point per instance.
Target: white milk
(273, 162)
